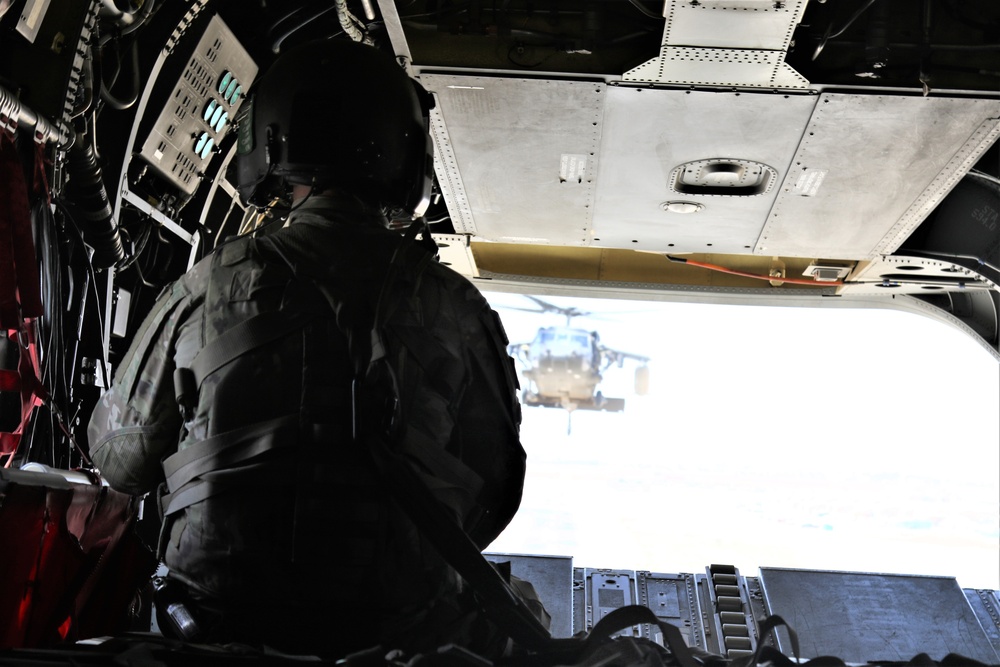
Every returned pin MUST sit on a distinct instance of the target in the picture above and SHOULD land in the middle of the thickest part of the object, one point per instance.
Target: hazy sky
(834, 439)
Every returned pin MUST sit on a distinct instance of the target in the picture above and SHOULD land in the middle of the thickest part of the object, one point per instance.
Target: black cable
(956, 11)
(137, 248)
(50, 345)
(457, 8)
(148, 7)
(113, 101)
(282, 216)
(54, 364)
(93, 286)
(975, 173)
(142, 278)
(276, 45)
(638, 5)
(832, 35)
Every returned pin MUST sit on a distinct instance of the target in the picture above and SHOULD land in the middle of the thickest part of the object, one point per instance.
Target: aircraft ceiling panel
(522, 152)
(650, 134)
(912, 275)
(732, 24)
(869, 170)
(727, 43)
(729, 68)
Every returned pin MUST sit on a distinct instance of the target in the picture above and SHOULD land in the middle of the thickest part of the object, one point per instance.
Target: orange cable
(757, 276)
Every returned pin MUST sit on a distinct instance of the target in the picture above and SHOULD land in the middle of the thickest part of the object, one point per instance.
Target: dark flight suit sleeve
(137, 423)
(467, 404)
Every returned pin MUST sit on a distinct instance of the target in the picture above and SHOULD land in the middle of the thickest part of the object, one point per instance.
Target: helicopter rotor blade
(569, 312)
(526, 310)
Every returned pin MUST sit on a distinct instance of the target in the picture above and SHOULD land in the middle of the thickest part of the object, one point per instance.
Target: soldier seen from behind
(245, 400)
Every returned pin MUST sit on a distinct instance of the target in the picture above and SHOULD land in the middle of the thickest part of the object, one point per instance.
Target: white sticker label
(31, 18)
(572, 167)
(809, 182)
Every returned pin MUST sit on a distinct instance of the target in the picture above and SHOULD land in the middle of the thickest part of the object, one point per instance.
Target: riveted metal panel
(730, 68)
(731, 43)
(897, 274)
(986, 605)
(674, 600)
(552, 578)
(862, 617)
(606, 591)
(454, 251)
(449, 176)
(734, 24)
(870, 168)
(518, 155)
(649, 133)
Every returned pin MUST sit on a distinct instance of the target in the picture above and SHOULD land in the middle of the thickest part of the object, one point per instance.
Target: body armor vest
(271, 496)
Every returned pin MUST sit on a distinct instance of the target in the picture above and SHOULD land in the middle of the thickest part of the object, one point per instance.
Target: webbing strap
(407, 247)
(175, 502)
(227, 449)
(457, 548)
(770, 624)
(244, 337)
(625, 617)
(413, 496)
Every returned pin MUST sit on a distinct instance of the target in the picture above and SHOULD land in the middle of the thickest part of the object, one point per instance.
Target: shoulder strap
(625, 617)
(429, 515)
(375, 399)
(505, 608)
(246, 336)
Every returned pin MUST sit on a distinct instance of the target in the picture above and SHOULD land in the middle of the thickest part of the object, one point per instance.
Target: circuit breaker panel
(200, 109)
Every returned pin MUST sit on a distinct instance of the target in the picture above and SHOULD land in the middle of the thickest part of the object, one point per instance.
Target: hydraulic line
(756, 276)
(832, 34)
(349, 23)
(108, 96)
(86, 189)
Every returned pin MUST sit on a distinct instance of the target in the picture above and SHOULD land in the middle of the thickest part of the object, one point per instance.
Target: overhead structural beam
(394, 27)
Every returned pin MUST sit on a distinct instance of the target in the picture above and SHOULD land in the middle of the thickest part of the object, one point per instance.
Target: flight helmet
(337, 113)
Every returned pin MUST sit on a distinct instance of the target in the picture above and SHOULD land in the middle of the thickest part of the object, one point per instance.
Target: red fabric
(10, 380)
(20, 290)
(13, 203)
(71, 563)
(32, 391)
(19, 282)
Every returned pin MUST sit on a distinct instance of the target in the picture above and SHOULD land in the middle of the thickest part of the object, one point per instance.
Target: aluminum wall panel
(732, 24)
(869, 170)
(648, 133)
(524, 152)
(861, 617)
